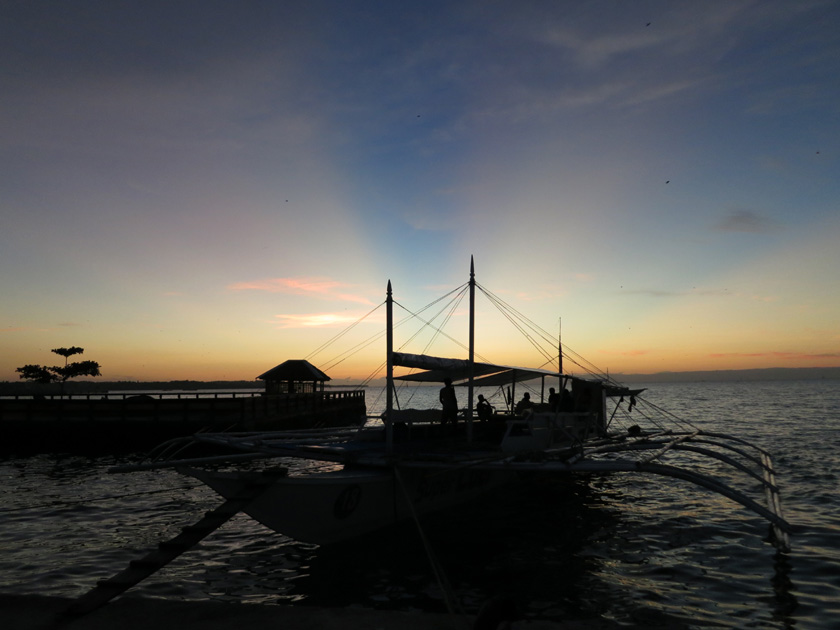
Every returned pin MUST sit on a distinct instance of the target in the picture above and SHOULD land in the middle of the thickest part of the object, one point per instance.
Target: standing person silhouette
(484, 408)
(553, 400)
(449, 402)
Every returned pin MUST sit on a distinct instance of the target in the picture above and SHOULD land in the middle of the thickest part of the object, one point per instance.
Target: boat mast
(559, 345)
(389, 369)
(563, 379)
(472, 351)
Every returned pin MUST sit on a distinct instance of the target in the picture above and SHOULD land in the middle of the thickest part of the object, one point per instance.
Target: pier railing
(117, 418)
(187, 395)
(192, 406)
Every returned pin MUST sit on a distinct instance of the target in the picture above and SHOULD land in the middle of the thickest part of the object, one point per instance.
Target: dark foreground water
(638, 550)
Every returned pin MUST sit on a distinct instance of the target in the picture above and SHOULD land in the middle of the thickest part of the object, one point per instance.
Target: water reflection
(639, 550)
(784, 602)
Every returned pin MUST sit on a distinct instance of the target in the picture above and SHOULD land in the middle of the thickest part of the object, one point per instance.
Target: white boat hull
(330, 507)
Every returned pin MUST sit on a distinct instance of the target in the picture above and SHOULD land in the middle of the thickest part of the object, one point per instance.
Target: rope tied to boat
(437, 568)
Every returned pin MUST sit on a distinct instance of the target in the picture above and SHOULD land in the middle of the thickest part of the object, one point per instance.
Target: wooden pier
(131, 422)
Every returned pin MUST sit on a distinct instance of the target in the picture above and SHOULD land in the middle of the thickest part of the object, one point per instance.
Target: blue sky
(204, 189)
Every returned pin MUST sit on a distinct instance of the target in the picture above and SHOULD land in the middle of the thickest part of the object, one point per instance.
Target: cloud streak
(314, 320)
(744, 221)
(662, 293)
(320, 288)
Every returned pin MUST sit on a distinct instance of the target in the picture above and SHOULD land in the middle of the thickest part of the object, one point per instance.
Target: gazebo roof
(294, 370)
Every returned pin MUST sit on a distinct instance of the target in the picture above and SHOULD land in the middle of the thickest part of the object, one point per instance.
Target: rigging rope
(535, 334)
(508, 312)
(346, 354)
(437, 568)
(450, 307)
(329, 342)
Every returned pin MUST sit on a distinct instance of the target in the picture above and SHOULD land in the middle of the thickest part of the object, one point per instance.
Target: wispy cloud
(699, 293)
(740, 220)
(429, 219)
(315, 320)
(535, 296)
(321, 288)
(773, 163)
(663, 293)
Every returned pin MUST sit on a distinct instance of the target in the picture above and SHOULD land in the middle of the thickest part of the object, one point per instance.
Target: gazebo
(295, 376)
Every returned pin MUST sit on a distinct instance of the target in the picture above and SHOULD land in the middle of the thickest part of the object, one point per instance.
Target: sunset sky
(203, 189)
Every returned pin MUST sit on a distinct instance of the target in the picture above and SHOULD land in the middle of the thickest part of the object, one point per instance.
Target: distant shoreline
(22, 388)
(723, 376)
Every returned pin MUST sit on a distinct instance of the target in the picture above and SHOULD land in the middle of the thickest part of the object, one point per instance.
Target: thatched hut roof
(298, 370)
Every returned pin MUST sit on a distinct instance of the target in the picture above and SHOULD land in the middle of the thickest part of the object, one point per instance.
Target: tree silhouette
(60, 373)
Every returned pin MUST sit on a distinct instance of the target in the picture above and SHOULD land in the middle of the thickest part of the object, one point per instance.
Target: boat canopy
(439, 368)
(436, 369)
(485, 374)
(510, 375)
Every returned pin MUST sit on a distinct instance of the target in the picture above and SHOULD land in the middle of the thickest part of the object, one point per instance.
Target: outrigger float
(406, 463)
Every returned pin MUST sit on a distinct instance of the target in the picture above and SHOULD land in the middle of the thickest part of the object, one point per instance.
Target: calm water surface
(630, 548)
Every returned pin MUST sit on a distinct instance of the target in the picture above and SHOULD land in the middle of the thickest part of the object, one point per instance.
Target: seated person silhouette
(567, 403)
(483, 408)
(524, 405)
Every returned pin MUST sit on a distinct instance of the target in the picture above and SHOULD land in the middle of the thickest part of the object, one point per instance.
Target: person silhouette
(524, 405)
(567, 403)
(449, 402)
(483, 408)
(553, 400)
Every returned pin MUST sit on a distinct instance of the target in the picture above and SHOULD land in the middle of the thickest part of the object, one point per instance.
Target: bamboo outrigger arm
(771, 514)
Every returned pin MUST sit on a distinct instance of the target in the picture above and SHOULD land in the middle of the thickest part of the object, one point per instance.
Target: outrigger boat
(406, 463)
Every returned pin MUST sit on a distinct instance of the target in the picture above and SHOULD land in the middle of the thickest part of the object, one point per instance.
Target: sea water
(639, 550)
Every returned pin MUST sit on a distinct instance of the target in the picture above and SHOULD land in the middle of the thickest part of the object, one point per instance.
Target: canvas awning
(439, 368)
(512, 375)
(518, 375)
